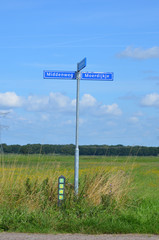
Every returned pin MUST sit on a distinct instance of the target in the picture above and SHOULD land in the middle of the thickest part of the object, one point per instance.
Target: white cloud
(10, 100)
(59, 100)
(35, 103)
(58, 103)
(111, 109)
(88, 101)
(62, 103)
(151, 100)
(139, 53)
(73, 103)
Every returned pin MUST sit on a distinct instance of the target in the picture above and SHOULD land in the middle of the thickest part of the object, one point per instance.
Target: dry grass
(35, 186)
(110, 185)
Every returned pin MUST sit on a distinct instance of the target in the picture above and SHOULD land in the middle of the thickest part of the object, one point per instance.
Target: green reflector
(61, 180)
(61, 197)
(61, 185)
(61, 191)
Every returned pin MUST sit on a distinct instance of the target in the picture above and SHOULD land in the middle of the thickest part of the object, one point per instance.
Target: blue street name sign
(59, 74)
(97, 76)
(81, 64)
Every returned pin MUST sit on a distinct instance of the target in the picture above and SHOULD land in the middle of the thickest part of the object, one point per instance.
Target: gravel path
(26, 236)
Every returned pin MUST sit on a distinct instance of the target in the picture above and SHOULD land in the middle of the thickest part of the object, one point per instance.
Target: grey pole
(76, 167)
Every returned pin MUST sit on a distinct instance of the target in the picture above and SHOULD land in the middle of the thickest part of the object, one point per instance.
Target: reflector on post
(61, 189)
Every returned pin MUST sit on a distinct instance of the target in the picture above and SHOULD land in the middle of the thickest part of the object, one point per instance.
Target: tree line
(69, 149)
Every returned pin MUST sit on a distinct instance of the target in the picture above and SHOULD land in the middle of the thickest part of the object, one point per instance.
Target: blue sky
(115, 36)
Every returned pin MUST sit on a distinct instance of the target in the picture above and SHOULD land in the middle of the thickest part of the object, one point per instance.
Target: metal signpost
(78, 75)
(80, 66)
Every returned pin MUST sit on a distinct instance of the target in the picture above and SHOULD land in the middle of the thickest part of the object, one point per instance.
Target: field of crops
(116, 194)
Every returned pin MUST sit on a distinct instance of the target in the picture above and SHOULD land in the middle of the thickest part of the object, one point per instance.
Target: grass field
(116, 194)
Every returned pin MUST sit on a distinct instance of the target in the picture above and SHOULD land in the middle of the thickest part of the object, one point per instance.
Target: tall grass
(108, 199)
(34, 186)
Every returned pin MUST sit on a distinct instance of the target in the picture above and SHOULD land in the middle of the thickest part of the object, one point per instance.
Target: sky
(115, 36)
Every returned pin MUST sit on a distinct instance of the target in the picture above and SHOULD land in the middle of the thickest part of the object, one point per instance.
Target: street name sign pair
(84, 75)
(78, 75)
